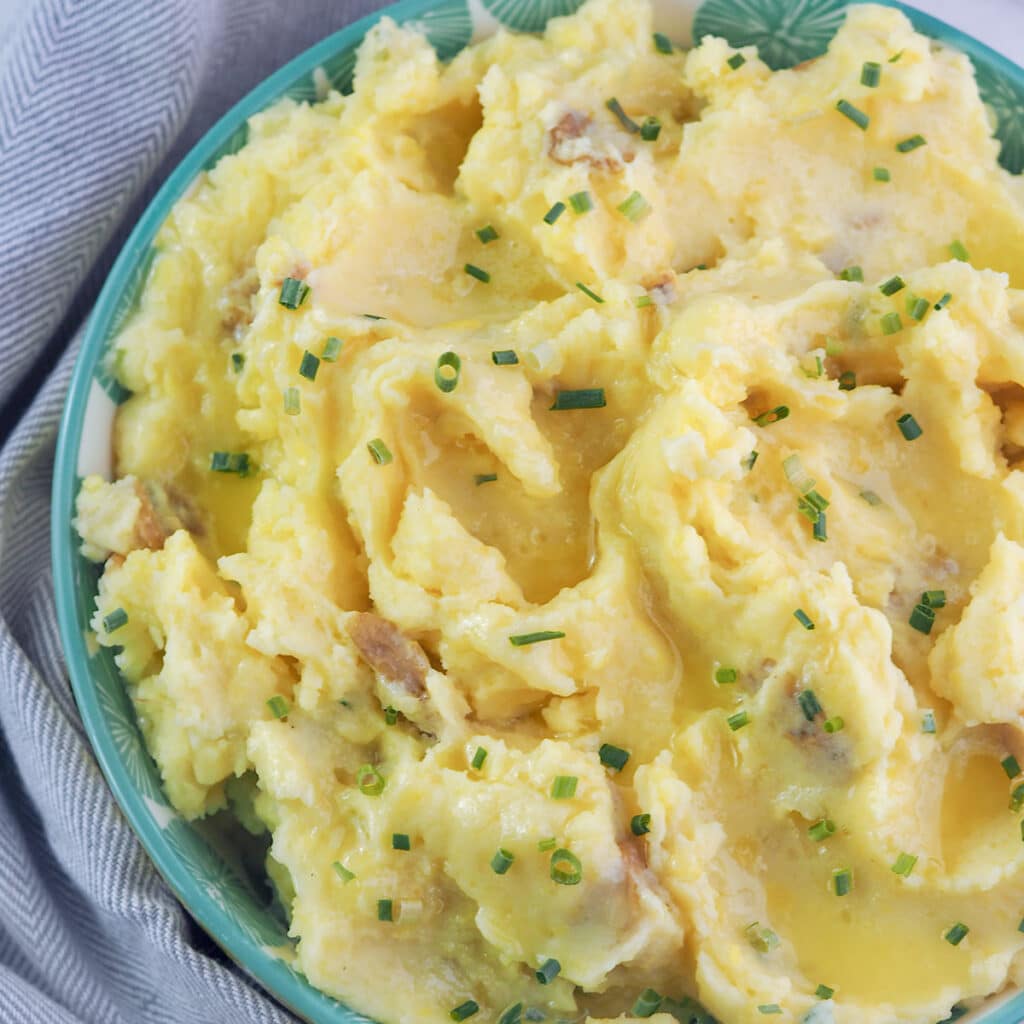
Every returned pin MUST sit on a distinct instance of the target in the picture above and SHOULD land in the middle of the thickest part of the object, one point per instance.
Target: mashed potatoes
(572, 498)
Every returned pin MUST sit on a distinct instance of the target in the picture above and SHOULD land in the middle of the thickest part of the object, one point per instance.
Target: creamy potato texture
(752, 473)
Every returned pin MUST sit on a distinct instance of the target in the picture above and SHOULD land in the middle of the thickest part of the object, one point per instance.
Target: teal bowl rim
(290, 989)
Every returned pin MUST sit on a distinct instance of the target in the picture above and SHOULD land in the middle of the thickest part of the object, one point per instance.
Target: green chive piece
(292, 401)
(819, 531)
(809, 705)
(1017, 798)
(582, 398)
(895, 57)
(640, 824)
(380, 451)
(373, 316)
(928, 721)
(634, 207)
(881, 174)
(554, 213)
(566, 868)
(833, 346)
(724, 676)
(369, 780)
(891, 323)
(548, 971)
(643, 300)
(821, 830)
(385, 910)
(1011, 766)
(400, 841)
(309, 365)
(871, 498)
(485, 478)
(1022, 831)
(944, 301)
(390, 715)
(857, 116)
(908, 145)
(793, 467)
(853, 273)
(624, 119)
(502, 861)
(524, 639)
(478, 758)
(589, 294)
(647, 1003)
(816, 501)
(917, 308)
(748, 460)
(909, 427)
(956, 934)
(871, 74)
(662, 43)
(332, 349)
(278, 706)
(115, 620)
(504, 357)
(934, 599)
(769, 1008)
(847, 380)
(477, 272)
(764, 940)
(736, 61)
(834, 724)
(842, 881)
(465, 1010)
(803, 618)
(922, 618)
(446, 372)
(230, 462)
(343, 872)
(513, 1015)
(738, 720)
(904, 864)
(564, 787)
(612, 756)
(487, 234)
(650, 129)
(547, 844)
(824, 992)
(780, 412)
(237, 362)
(581, 202)
(958, 251)
(892, 286)
(293, 293)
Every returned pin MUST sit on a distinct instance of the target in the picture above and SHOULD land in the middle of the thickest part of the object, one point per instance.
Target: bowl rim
(290, 989)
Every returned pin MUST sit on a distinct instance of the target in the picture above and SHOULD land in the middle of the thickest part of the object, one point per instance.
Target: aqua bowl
(203, 870)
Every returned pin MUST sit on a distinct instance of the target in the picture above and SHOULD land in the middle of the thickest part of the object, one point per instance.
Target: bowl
(205, 868)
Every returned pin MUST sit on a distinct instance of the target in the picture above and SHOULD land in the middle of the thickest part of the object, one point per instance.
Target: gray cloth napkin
(99, 99)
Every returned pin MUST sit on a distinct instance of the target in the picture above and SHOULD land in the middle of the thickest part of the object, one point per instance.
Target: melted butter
(224, 501)
(974, 805)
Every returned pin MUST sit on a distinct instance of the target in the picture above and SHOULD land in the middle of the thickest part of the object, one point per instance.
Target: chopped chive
(833, 346)
(736, 61)
(343, 872)
(922, 618)
(309, 365)
(640, 824)
(904, 864)
(230, 462)
(881, 174)
(847, 380)
(1022, 831)
(400, 841)
(891, 323)
(634, 207)
(624, 119)
(820, 531)
(780, 412)
(390, 715)
(934, 598)
(554, 213)
(446, 372)
(944, 301)
(748, 460)
(485, 478)
(643, 300)
(928, 721)
(566, 868)
(1011, 766)
(857, 116)
(956, 934)
(723, 675)
(380, 451)
(796, 474)
(487, 234)
(581, 398)
(278, 706)
(293, 293)
(1017, 797)
(871, 498)
(465, 1010)
(916, 308)
(803, 618)
(612, 756)
(909, 427)
(842, 881)
(581, 202)
(369, 780)
(115, 620)
(504, 357)
(237, 362)
(893, 285)
(513, 1015)
(477, 272)
(764, 940)
(373, 316)
(895, 57)
(809, 704)
(853, 273)
(292, 401)
(662, 43)
(871, 74)
(502, 861)
(824, 992)
(589, 294)
(478, 758)
(834, 724)
(767, 1008)
(564, 787)
(958, 251)
(738, 720)
(547, 844)
(908, 145)
(548, 971)
(524, 639)
(332, 349)
(650, 129)
(821, 830)
(385, 910)
(647, 1003)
